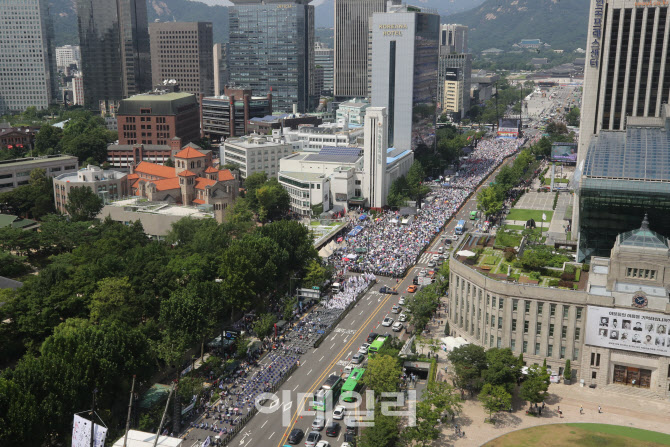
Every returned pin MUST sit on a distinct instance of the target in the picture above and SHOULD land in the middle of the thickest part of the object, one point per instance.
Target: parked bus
(473, 215)
(328, 394)
(352, 385)
(460, 227)
(376, 345)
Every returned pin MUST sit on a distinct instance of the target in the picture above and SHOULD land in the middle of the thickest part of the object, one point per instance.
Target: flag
(544, 216)
(207, 442)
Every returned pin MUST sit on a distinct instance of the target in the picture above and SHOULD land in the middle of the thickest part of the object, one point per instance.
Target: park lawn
(523, 214)
(587, 435)
(491, 260)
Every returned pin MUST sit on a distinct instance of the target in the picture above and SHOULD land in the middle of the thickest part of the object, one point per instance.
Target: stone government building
(615, 332)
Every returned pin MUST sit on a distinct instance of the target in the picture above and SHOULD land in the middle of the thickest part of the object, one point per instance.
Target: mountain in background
(324, 10)
(64, 13)
(563, 24)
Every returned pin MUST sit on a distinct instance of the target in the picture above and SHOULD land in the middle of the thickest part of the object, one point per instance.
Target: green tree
(83, 204)
(86, 137)
(398, 192)
(572, 117)
(115, 299)
(469, 361)
(534, 388)
(490, 200)
(495, 398)
(273, 201)
(502, 368)
(443, 397)
(426, 428)
(251, 184)
(383, 433)
(315, 274)
(241, 212)
(264, 326)
(34, 200)
(47, 140)
(12, 266)
(19, 415)
(383, 374)
(415, 177)
(422, 305)
(169, 163)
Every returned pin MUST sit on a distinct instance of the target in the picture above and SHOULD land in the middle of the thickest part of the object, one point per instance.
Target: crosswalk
(425, 258)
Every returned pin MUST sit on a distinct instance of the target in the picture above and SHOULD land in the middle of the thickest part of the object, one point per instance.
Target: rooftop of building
(16, 222)
(6, 283)
(643, 237)
(87, 174)
(154, 169)
(160, 103)
(254, 141)
(191, 150)
(342, 155)
(129, 147)
(303, 176)
(393, 154)
(638, 153)
(141, 205)
(355, 103)
(36, 160)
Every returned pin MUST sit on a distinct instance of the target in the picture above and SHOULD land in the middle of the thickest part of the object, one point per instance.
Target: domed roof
(643, 237)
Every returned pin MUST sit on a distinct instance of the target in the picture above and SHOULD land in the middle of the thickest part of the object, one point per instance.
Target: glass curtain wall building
(114, 41)
(404, 46)
(271, 49)
(626, 175)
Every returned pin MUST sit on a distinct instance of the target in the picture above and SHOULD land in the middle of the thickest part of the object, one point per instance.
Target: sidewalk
(617, 409)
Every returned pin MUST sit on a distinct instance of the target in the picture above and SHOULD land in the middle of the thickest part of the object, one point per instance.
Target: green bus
(473, 215)
(327, 395)
(352, 385)
(376, 345)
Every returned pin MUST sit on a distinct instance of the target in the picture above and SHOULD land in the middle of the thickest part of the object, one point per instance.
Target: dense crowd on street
(351, 288)
(385, 247)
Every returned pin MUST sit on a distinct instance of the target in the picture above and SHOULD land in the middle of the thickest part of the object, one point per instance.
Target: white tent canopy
(466, 253)
(452, 343)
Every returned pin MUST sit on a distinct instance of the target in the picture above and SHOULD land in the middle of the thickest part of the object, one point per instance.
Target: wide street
(336, 351)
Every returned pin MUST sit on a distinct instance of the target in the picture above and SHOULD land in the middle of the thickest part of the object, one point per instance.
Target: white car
(388, 321)
(357, 359)
(401, 301)
(339, 412)
(402, 318)
(422, 273)
(323, 444)
(396, 309)
(436, 256)
(364, 348)
(397, 327)
(431, 264)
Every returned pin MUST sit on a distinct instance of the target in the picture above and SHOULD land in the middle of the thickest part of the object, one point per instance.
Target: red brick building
(23, 137)
(157, 117)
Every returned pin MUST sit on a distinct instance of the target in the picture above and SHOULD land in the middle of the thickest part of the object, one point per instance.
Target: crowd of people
(386, 247)
(351, 288)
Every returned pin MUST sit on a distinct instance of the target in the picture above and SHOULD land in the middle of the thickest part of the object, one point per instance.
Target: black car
(372, 337)
(333, 429)
(350, 438)
(295, 436)
(388, 290)
(415, 281)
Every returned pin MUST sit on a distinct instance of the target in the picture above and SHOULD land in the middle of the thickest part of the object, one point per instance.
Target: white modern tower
(374, 156)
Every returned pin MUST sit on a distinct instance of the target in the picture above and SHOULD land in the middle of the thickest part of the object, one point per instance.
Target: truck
(460, 227)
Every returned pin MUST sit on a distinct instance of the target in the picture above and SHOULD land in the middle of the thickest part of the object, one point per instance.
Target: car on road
(357, 358)
(397, 327)
(312, 438)
(422, 273)
(372, 337)
(401, 301)
(333, 429)
(396, 309)
(415, 280)
(431, 264)
(346, 444)
(318, 424)
(388, 321)
(364, 348)
(339, 412)
(295, 436)
(412, 288)
(323, 444)
(436, 256)
(402, 317)
(388, 290)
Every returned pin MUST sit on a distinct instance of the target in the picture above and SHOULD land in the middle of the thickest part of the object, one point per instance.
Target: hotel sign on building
(630, 330)
(393, 29)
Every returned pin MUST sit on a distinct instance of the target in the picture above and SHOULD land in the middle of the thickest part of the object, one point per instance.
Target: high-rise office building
(271, 49)
(404, 61)
(114, 42)
(352, 27)
(374, 155)
(622, 155)
(453, 38)
(221, 72)
(454, 67)
(324, 57)
(183, 51)
(27, 58)
(78, 91)
(68, 55)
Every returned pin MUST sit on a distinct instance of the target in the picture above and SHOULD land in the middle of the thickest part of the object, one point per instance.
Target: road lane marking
(321, 359)
(361, 312)
(296, 387)
(332, 346)
(273, 433)
(310, 371)
(266, 421)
